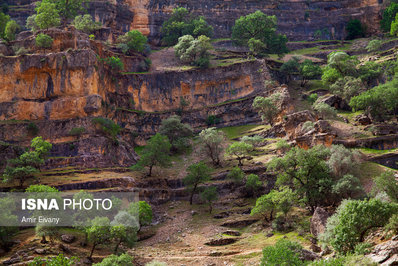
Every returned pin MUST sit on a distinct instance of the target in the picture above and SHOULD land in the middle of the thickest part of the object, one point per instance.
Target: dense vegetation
(277, 179)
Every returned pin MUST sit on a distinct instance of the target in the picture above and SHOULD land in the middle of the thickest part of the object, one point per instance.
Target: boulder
(315, 248)
(221, 241)
(40, 251)
(292, 121)
(336, 102)
(308, 255)
(383, 129)
(363, 120)
(12, 261)
(385, 253)
(318, 221)
(322, 126)
(68, 238)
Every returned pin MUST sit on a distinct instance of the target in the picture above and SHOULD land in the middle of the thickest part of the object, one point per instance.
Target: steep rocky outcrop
(386, 253)
(64, 89)
(299, 20)
(318, 221)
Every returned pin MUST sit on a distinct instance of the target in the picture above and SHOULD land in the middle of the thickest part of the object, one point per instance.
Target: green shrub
(44, 41)
(114, 260)
(179, 134)
(307, 126)
(32, 128)
(144, 212)
(284, 252)
(11, 29)
(209, 194)
(236, 175)
(253, 183)
(132, 41)
(387, 183)
(31, 23)
(347, 87)
(181, 23)
(362, 248)
(378, 101)
(59, 260)
(392, 225)
(212, 120)
(373, 45)
(47, 15)
(325, 111)
(77, 131)
(389, 15)
(259, 27)
(86, 24)
(253, 140)
(107, 126)
(355, 29)
(353, 219)
(194, 51)
(21, 51)
(283, 146)
(114, 63)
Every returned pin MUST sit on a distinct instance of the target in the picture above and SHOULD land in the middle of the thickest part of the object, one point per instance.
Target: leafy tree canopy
(260, 27)
(155, 153)
(181, 23)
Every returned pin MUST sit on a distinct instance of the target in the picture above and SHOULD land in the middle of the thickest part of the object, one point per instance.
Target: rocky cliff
(63, 88)
(299, 20)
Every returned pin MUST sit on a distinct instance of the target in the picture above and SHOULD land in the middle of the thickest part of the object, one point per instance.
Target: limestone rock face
(386, 253)
(336, 102)
(299, 20)
(318, 221)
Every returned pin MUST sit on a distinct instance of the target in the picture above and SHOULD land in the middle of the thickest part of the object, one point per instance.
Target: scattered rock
(336, 102)
(270, 234)
(221, 215)
(318, 221)
(322, 126)
(12, 261)
(64, 248)
(315, 248)
(87, 261)
(193, 213)
(308, 255)
(393, 260)
(40, 251)
(232, 233)
(363, 120)
(221, 241)
(68, 238)
(385, 253)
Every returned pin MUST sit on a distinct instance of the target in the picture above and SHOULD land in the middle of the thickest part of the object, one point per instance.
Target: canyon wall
(64, 88)
(299, 20)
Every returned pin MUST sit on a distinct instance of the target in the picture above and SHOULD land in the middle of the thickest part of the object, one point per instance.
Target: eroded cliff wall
(65, 87)
(299, 20)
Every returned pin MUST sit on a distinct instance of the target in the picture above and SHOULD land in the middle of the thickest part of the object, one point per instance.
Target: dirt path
(180, 240)
(165, 60)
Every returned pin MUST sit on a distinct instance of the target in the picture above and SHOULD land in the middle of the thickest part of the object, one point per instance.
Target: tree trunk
(192, 193)
(20, 182)
(43, 240)
(117, 246)
(210, 207)
(92, 251)
(150, 170)
(239, 161)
